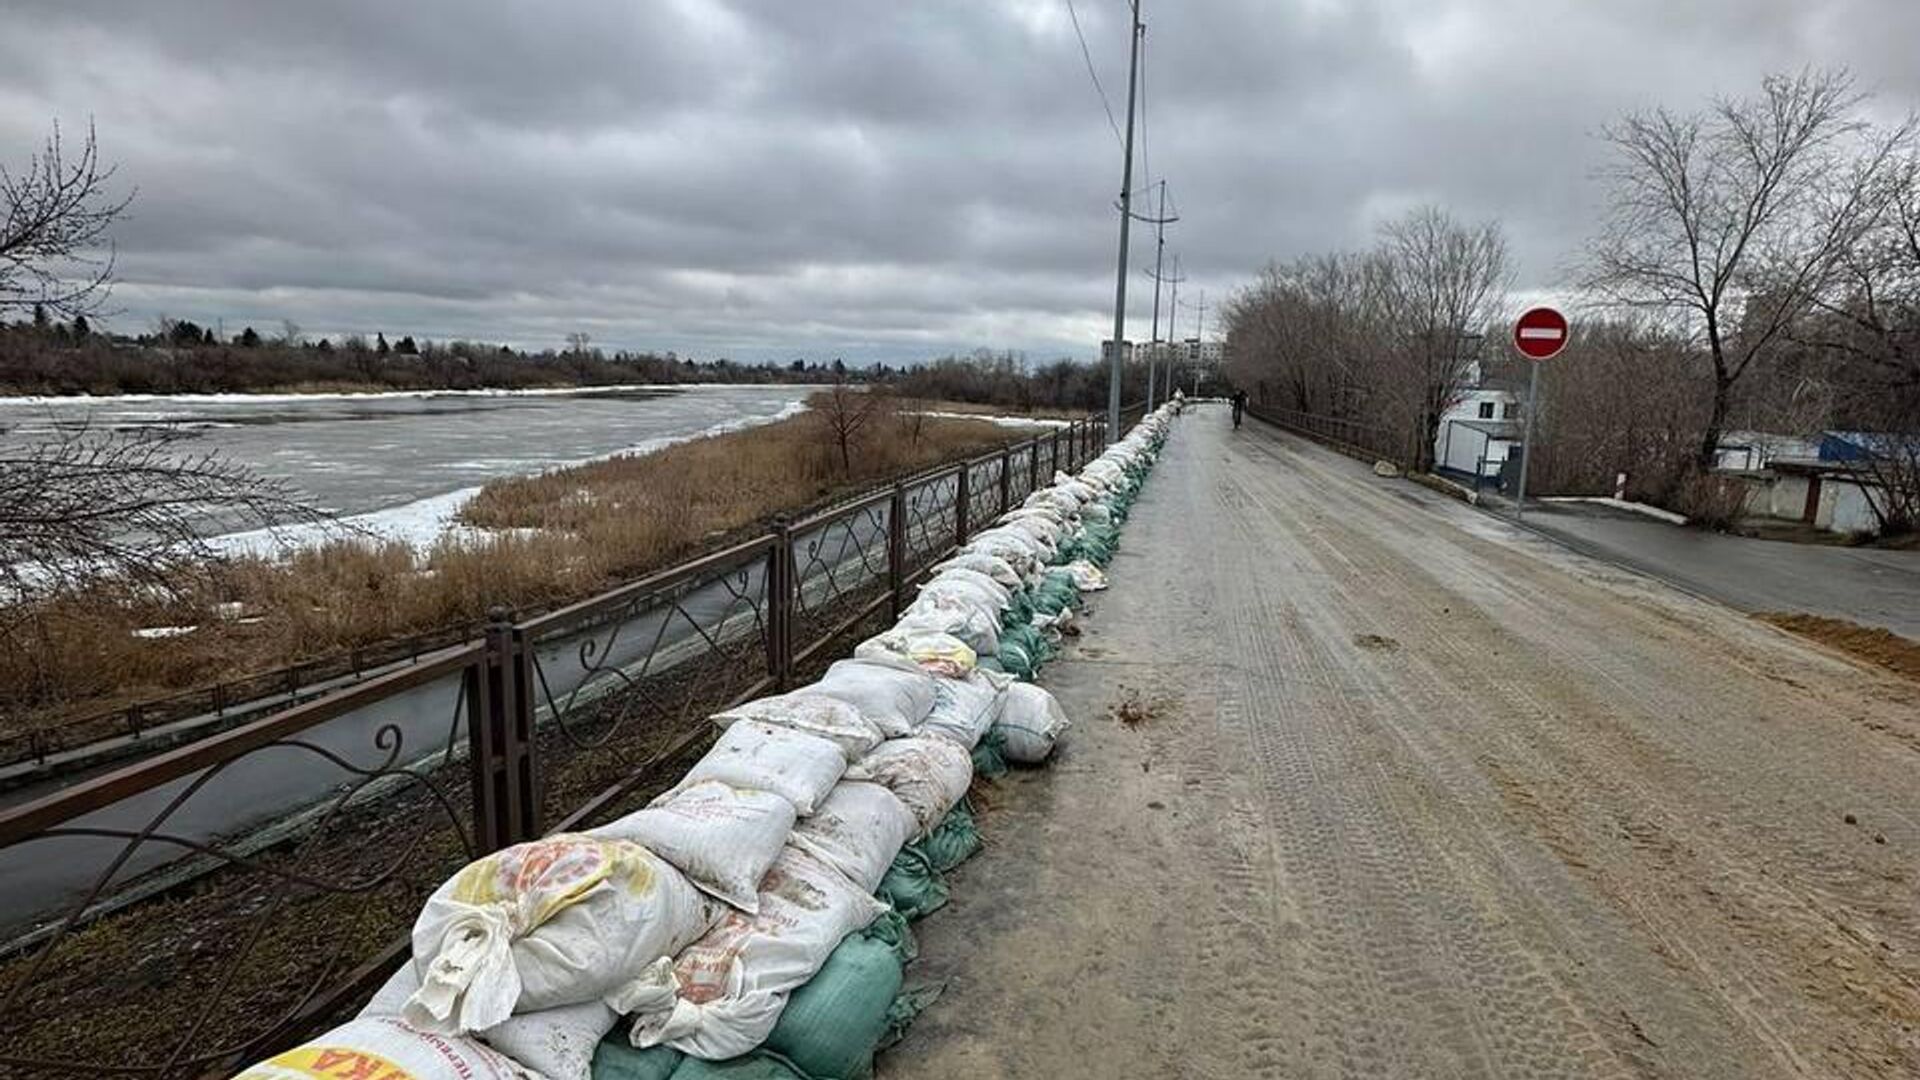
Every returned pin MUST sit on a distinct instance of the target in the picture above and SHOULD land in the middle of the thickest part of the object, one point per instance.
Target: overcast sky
(873, 179)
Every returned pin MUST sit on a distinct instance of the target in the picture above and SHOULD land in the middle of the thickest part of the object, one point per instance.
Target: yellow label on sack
(327, 1063)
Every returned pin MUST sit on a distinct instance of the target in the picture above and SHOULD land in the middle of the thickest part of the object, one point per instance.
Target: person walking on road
(1239, 406)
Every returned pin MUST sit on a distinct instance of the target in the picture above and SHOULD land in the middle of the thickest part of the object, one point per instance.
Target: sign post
(1539, 335)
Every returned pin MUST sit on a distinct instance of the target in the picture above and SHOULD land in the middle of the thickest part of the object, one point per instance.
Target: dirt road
(1422, 796)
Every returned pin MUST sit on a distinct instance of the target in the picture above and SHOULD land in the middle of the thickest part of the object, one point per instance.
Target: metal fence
(226, 898)
(1369, 442)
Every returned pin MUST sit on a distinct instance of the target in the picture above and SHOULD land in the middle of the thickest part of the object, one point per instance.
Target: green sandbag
(911, 1002)
(912, 885)
(891, 930)
(988, 761)
(1015, 659)
(617, 1059)
(1019, 610)
(952, 843)
(832, 1025)
(755, 1066)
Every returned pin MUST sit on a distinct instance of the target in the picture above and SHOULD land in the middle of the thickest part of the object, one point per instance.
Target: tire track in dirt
(1773, 905)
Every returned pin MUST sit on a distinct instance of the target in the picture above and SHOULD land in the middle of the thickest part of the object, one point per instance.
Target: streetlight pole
(1137, 31)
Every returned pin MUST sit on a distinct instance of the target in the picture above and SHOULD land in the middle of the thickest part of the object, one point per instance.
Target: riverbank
(524, 543)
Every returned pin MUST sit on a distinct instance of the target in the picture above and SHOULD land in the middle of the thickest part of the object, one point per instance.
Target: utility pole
(1174, 280)
(1136, 32)
(1159, 252)
(1200, 341)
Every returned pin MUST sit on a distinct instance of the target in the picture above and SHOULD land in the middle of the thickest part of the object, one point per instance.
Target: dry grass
(536, 542)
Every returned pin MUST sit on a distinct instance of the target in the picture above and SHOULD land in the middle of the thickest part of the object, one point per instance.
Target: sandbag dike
(756, 920)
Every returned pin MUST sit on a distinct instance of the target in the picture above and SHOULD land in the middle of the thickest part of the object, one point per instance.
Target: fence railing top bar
(17, 823)
(583, 610)
(841, 509)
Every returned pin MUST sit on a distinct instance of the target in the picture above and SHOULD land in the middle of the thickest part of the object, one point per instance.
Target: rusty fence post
(896, 550)
(501, 756)
(1007, 479)
(1033, 465)
(962, 492)
(780, 601)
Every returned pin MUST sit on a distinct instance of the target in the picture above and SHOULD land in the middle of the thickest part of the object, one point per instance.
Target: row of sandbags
(701, 915)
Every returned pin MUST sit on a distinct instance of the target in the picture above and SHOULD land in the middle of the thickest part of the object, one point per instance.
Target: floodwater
(400, 460)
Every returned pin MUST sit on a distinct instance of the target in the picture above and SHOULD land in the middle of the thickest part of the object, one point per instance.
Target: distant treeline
(182, 357)
(50, 357)
(1005, 379)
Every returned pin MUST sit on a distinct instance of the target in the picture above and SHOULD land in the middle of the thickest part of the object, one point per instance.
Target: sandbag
(383, 1047)
(971, 584)
(1030, 723)
(978, 627)
(857, 831)
(954, 842)
(750, 1067)
(1086, 576)
(558, 921)
(992, 566)
(912, 886)
(893, 697)
(928, 775)
(933, 652)
(987, 755)
(725, 991)
(617, 1059)
(890, 928)
(557, 1043)
(832, 1025)
(798, 767)
(963, 709)
(817, 714)
(721, 837)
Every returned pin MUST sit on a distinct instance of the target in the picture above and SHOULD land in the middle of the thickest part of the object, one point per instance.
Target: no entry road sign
(1540, 333)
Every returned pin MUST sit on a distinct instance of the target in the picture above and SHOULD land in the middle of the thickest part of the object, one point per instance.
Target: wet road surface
(1420, 795)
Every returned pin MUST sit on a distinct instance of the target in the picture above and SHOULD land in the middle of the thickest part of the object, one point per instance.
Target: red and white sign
(1540, 334)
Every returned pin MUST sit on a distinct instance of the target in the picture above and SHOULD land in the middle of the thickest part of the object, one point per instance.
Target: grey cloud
(867, 178)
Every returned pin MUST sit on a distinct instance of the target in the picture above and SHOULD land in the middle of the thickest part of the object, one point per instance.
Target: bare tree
(845, 410)
(90, 505)
(54, 215)
(1444, 284)
(1728, 221)
(577, 342)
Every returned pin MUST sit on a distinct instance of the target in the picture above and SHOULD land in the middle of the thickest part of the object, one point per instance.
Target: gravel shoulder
(1424, 795)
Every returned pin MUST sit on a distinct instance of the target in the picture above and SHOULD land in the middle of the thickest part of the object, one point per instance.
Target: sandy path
(1428, 797)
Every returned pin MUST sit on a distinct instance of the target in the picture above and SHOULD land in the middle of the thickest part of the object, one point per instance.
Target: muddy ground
(1418, 795)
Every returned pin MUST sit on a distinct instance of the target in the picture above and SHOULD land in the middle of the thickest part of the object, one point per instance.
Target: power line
(1087, 55)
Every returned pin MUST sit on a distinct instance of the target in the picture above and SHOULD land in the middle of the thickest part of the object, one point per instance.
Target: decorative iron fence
(224, 899)
(1370, 442)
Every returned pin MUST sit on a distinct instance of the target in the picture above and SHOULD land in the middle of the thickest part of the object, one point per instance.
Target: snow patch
(1003, 421)
(1643, 509)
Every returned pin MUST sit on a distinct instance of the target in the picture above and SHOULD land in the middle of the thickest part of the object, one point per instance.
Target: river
(400, 464)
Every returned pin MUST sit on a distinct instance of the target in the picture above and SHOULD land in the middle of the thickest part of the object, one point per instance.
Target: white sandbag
(724, 994)
(963, 709)
(978, 630)
(858, 831)
(894, 697)
(383, 1048)
(928, 775)
(1086, 576)
(1044, 532)
(722, 837)
(1000, 570)
(972, 583)
(1018, 549)
(816, 714)
(933, 652)
(1074, 488)
(1030, 723)
(798, 767)
(558, 921)
(556, 1043)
